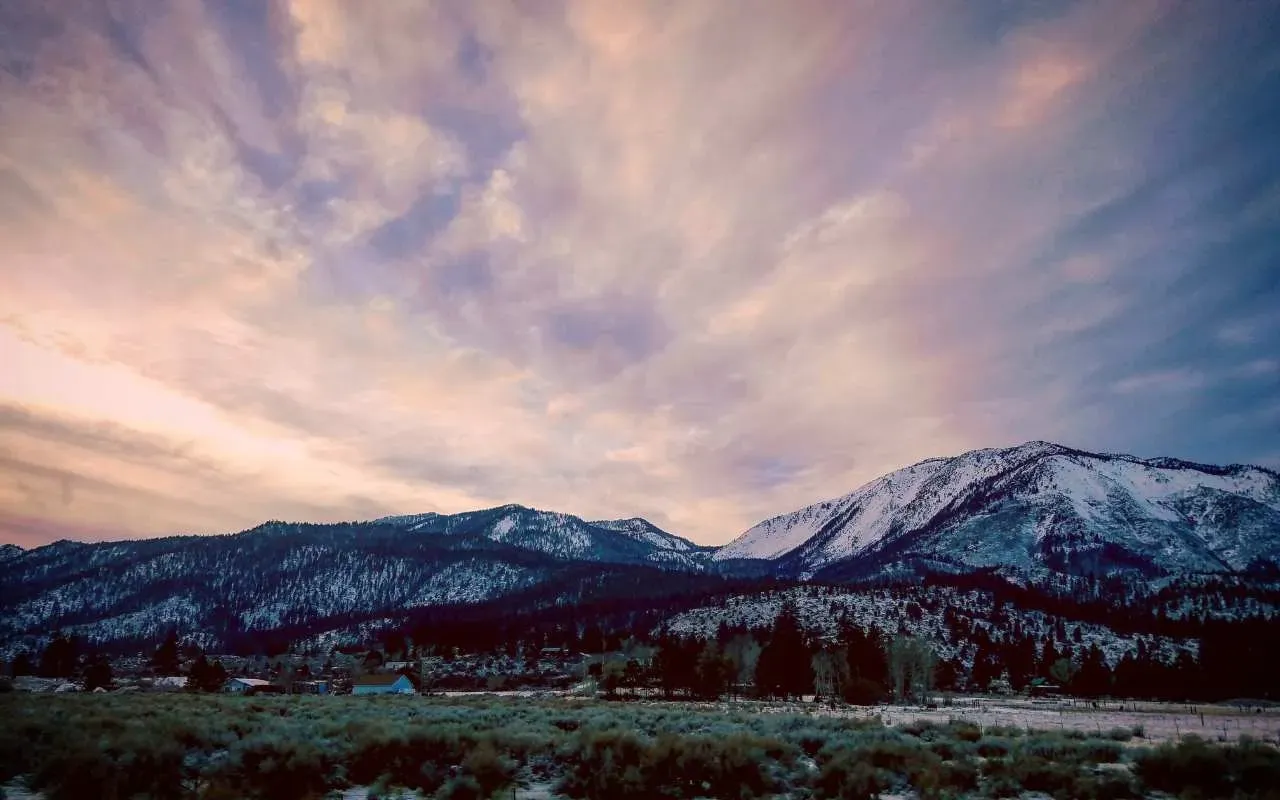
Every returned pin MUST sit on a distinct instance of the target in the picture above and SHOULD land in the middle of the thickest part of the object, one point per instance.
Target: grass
(203, 746)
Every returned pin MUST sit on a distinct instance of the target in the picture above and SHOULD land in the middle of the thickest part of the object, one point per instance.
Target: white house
(382, 684)
(242, 685)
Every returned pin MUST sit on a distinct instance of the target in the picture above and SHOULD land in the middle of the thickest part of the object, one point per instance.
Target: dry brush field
(211, 746)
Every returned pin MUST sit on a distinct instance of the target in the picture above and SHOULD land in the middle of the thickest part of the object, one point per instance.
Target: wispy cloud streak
(701, 262)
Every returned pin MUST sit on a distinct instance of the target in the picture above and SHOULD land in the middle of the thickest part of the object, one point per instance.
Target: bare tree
(911, 668)
(830, 673)
(744, 652)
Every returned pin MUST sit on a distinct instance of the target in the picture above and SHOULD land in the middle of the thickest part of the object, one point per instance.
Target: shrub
(1108, 785)
(850, 778)
(936, 780)
(1120, 734)
(1005, 731)
(1194, 768)
(462, 787)
(290, 768)
(922, 729)
(1031, 773)
(81, 767)
(965, 731)
(488, 770)
(811, 743)
(604, 764)
(1189, 764)
(1099, 751)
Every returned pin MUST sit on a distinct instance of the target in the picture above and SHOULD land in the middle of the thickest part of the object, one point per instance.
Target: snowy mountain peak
(564, 536)
(645, 531)
(1033, 510)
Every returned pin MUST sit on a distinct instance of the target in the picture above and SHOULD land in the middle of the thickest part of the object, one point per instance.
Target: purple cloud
(702, 263)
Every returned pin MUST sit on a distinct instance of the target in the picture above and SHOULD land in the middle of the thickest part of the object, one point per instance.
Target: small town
(356, 671)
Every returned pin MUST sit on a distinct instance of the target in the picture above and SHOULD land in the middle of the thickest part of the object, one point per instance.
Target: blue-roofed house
(382, 684)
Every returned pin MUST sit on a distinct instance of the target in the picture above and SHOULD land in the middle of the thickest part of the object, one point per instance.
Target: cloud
(702, 262)
(1166, 381)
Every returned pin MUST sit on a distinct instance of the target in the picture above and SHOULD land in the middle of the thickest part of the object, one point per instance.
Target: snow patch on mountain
(645, 531)
(1034, 510)
(820, 610)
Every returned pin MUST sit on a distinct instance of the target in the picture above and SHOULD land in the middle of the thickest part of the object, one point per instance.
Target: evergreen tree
(59, 659)
(97, 673)
(22, 665)
(712, 672)
(165, 659)
(206, 677)
(1019, 659)
(676, 665)
(785, 668)
(1093, 679)
(1048, 658)
(865, 653)
(986, 665)
(866, 665)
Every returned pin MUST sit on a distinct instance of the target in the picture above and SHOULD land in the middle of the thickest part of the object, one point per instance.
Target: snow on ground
(1158, 722)
(921, 613)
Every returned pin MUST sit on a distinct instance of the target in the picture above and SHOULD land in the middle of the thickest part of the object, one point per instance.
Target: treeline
(861, 666)
(71, 658)
(1234, 660)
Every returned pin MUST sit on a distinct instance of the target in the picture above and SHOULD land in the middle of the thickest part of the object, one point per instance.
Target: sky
(701, 262)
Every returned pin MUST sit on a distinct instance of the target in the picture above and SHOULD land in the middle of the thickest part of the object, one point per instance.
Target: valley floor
(1157, 722)
(218, 746)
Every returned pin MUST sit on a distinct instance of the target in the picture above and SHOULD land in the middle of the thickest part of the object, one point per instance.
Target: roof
(377, 680)
(251, 681)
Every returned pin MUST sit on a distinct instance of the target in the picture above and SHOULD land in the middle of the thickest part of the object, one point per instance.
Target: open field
(1158, 722)
(213, 746)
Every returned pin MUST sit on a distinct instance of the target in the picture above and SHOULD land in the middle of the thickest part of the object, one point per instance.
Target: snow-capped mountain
(1032, 512)
(645, 531)
(1036, 514)
(307, 577)
(628, 541)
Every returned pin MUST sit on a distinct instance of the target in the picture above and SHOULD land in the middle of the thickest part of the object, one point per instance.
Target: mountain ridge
(1037, 514)
(1170, 515)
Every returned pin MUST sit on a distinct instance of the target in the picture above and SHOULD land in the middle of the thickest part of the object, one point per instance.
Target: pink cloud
(684, 241)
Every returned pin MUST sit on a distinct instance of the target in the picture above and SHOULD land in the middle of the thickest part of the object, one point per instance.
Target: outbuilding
(382, 684)
(244, 685)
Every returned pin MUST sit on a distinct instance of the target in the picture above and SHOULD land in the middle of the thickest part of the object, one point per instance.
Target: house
(310, 687)
(244, 685)
(382, 684)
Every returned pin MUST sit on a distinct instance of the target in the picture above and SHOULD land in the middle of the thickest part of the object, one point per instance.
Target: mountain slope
(1032, 512)
(630, 541)
(275, 575)
(314, 577)
(644, 531)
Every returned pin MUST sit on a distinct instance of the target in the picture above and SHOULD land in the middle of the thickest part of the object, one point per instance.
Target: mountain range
(1037, 514)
